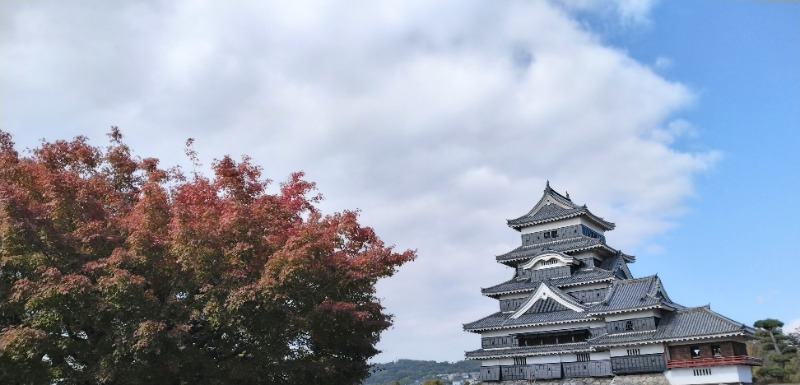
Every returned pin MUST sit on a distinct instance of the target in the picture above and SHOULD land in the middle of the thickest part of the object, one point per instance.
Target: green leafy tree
(116, 271)
(776, 349)
(433, 381)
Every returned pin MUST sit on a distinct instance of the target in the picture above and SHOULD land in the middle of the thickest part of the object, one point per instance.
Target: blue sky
(678, 121)
(742, 59)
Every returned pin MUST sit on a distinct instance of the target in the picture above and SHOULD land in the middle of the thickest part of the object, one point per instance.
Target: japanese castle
(573, 309)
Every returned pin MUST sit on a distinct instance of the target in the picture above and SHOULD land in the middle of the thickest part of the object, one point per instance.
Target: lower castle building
(573, 309)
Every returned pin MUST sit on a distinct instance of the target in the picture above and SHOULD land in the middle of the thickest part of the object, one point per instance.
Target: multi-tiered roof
(573, 293)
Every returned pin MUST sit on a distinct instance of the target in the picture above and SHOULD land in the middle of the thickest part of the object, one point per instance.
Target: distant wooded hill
(409, 371)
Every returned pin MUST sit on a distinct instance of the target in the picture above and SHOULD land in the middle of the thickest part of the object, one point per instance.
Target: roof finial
(567, 192)
(547, 187)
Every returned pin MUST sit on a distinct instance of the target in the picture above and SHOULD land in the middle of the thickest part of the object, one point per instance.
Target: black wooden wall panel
(636, 324)
(490, 373)
(638, 364)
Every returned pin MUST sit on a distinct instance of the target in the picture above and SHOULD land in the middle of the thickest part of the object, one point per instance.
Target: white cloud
(438, 119)
(663, 63)
(627, 11)
(792, 326)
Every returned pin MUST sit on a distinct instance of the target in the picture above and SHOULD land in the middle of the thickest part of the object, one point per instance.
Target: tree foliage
(116, 271)
(776, 349)
(407, 371)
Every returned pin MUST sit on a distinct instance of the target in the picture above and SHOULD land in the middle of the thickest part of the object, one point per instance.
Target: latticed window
(583, 357)
(519, 361)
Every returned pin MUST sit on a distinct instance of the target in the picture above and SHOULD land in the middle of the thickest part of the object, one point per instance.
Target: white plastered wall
(643, 349)
(499, 361)
(552, 359)
(718, 375)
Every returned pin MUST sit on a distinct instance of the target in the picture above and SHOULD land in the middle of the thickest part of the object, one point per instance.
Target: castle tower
(573, 309)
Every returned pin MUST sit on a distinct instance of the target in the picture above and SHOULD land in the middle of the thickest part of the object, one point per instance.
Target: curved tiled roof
(563, 208)
(546, 306)
(561, 245)
(698, 322)
(580, 276)
(502, 320)
(632, 294)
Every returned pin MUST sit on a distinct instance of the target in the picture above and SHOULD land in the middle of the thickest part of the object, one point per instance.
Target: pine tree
(777, 349)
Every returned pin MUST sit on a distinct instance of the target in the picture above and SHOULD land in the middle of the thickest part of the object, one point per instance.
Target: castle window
(701, 372)
(547, 234)
(583, 357)
(634, 352)
(694, 351)
(716, 351)
(628, 325)
(554, 234)
(519, 361)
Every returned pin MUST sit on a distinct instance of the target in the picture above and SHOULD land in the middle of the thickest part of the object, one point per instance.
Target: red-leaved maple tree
(116, 271)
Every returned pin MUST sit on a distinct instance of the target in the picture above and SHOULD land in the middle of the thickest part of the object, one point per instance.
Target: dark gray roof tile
(530, 350)
(630, 294)
(546, 306)
(562, 209)
(561, 245)
(579, 276)
(500, 320)
(697, 322)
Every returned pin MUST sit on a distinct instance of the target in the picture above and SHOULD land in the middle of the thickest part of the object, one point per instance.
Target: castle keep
(573, 309)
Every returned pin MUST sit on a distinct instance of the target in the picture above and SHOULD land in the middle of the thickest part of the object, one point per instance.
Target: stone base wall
(631, 379)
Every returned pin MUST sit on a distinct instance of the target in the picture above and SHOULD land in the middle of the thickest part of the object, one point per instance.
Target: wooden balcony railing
(714, 361)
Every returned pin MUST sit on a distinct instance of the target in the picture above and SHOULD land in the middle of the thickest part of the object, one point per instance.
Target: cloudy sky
(440, 120)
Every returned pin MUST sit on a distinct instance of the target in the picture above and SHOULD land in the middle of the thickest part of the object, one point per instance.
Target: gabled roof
(561, 245)
(552, 207)
(619, 265)
(698, 322)
(546, 305)
(546, 299)
(633, 294)
(579, 277)
(501, 320)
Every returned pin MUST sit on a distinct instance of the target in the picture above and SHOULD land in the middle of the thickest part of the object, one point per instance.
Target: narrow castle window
(695, 351)
(716, 351)
(628, 325)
